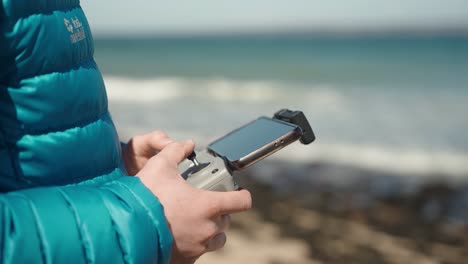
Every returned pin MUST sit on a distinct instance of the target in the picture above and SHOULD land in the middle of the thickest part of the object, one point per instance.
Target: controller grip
(211, 174)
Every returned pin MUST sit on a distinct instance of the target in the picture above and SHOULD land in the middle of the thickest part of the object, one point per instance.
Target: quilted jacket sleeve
(117, 222)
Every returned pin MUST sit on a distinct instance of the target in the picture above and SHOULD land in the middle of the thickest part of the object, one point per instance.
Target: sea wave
(406, 161)
(222, 90)
(417, 135)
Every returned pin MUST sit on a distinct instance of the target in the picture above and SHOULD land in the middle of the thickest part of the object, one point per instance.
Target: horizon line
(324, 31)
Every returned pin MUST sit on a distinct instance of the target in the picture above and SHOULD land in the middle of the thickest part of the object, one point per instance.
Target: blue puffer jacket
(64, 194)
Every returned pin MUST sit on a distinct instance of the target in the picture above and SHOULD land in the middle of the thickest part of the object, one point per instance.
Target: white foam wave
(121, 89)
(130, 90)
(415, 162)
(340, 117)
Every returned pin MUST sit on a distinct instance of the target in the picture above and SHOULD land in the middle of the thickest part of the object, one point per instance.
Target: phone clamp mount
(211, 172)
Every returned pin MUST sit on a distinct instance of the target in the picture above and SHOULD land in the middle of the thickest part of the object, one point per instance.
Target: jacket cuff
(155, 212)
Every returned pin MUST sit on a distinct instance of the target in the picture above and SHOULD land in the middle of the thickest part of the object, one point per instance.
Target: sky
(215, 16)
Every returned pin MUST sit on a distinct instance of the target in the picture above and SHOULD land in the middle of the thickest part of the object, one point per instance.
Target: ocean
(394, 102)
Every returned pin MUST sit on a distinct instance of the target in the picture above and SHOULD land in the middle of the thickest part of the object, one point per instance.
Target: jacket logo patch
(75, 27)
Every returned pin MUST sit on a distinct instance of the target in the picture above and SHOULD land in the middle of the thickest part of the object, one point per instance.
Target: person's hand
(197, 218)
(141, 148)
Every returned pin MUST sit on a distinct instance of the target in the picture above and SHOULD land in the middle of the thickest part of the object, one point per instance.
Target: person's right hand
(197, 218)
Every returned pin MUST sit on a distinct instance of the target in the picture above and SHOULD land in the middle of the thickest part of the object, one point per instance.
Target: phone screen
(255, 140)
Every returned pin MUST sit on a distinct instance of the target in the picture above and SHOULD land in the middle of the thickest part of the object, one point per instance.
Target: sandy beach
(296, 226)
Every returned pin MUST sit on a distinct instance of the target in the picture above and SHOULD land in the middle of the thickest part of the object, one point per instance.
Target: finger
(223, 222)
(159, 140)
(177, 151)
(232, 202)
(216, 242)
(150, 143)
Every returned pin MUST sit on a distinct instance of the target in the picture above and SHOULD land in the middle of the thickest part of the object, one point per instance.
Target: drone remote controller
(208, 172)
(213, 171)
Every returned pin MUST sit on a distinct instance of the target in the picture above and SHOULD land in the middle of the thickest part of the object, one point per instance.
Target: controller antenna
(193, 157)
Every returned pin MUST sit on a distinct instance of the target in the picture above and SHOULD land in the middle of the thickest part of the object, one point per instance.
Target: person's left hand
(141, 148)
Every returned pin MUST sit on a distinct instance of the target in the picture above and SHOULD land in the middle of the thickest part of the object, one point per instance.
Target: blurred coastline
(387, 179)
(351, 222)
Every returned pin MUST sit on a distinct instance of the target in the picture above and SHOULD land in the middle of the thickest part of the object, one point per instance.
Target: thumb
(232, 202)
(148, 144)
(177, 151)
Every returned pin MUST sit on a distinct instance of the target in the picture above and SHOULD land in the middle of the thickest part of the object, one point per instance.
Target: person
(66, 194)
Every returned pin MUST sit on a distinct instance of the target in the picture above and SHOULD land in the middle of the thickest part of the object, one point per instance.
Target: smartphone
(254, 141)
